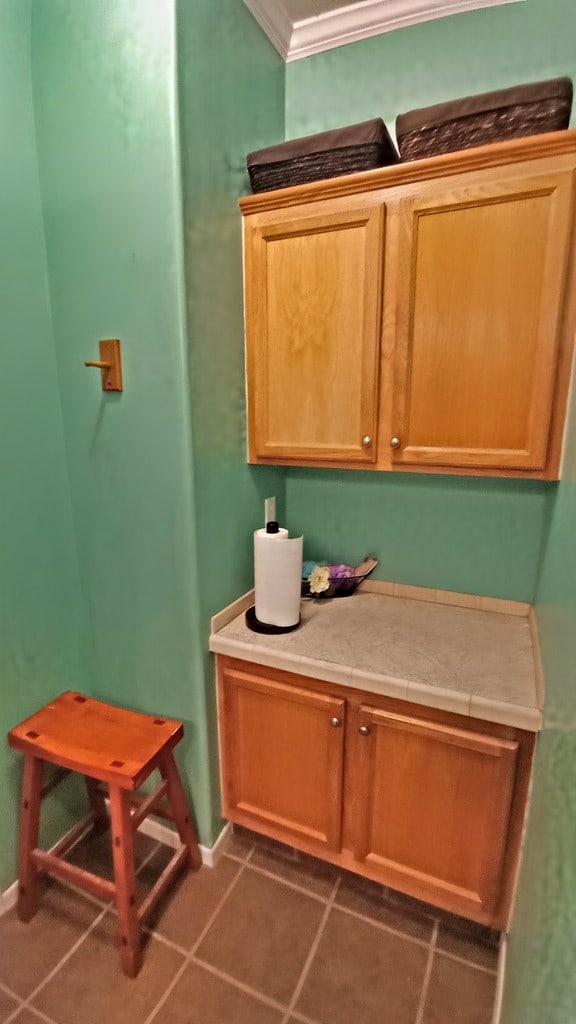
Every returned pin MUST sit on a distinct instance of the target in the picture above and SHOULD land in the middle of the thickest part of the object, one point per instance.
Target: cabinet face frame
(488, 190)
(368, 215)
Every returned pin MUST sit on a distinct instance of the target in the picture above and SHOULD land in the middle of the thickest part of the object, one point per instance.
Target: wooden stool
(118, 748)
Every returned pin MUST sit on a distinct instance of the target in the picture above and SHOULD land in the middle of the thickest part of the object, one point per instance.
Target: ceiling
(300, 28)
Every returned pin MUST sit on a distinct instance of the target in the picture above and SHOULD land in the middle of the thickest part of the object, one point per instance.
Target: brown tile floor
(267, 937)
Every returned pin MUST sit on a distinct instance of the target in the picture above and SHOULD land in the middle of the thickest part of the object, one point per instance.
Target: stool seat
(116, 750)
(97, 739)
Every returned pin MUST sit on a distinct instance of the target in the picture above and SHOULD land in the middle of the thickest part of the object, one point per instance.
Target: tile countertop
(469, 661)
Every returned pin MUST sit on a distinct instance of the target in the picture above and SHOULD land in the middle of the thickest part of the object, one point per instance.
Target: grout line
(169, 989)
(88, 895)
(99, 917)
(40, 1015)
(427, 974)
(215, 913)
(16, 1011)
(312, 951)
(383, 927)
(260, 996)
(296, 1015)
(10, 992)
(467, 962)
(165, 941)
(290, 885)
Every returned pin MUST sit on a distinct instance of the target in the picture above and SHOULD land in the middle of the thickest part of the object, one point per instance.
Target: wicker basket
(358, 147)
(490, 117)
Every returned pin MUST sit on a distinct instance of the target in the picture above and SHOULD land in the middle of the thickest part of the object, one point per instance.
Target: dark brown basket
(358, 147)
(490, 117)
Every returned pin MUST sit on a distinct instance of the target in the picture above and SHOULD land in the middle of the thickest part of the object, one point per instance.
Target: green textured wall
(454, 533)
(541, 980)
(104, 79)
(42, 631)
(476, 536)
(429, 63)
(231, 101)
(162, 495)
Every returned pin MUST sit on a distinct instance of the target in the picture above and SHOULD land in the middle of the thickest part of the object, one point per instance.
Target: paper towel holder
(264, 627)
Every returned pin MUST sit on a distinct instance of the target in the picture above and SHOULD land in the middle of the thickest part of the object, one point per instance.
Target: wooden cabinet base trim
(401, 875)
(282, 823)
(551, 473)
(417, 889)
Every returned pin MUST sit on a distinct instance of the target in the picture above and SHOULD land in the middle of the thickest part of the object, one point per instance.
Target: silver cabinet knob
(367, 441)
(394, 442)
(335, 722)
(364, 730)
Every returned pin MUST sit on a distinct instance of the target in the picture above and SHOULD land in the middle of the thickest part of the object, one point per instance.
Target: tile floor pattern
(269, 936)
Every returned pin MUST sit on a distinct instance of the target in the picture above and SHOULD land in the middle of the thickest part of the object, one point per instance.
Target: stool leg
(179, 809)
(125, 879)
(97, 805)
(29, 826)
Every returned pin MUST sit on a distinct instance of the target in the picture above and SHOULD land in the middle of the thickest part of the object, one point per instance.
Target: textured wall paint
(41, 623)
(479, 536)
(231, 101)
(455, 533)
(541, 980)
(106, 113)
(430, 63)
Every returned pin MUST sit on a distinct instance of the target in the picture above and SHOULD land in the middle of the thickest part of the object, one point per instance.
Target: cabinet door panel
(434, 809)
(313, 333)
(484, 272)
(282, 758)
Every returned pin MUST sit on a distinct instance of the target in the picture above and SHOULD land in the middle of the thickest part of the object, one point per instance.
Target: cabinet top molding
(496, 154)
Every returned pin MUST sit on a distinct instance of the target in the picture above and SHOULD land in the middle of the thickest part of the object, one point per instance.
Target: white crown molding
(272, 17)
(295, 40)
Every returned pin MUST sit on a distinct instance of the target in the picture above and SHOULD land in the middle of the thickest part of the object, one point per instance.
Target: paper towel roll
(277, 577)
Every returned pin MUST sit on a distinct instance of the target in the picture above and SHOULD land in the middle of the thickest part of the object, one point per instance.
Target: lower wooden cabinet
(283, 756)
(427, 802)
(433, 806)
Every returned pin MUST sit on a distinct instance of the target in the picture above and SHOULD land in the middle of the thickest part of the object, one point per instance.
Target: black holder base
(264, 627)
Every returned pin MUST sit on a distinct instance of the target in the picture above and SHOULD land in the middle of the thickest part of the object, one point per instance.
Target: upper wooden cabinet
(480, 295)
(313, 317)
(418, 317)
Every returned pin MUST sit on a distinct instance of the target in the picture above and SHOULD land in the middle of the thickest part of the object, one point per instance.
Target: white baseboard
(8, 898)
(164, 834)
(210, 854)
(497, 1017)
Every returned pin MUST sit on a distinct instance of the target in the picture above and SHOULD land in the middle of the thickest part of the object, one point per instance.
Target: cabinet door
(282, 757)
(313, 286)
(483, 272)
(433, 809)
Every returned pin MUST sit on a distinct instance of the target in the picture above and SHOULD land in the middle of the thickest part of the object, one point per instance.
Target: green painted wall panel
(429, 63)
(42, 628)
(231, 83)
(481, 536)
(106, 115)
(454, 533)
(541, 981)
